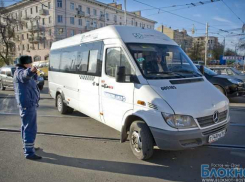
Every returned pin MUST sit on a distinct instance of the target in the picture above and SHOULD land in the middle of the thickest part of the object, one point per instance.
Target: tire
(1, 86)
(220, 89)
(61, 106)
(141, 140)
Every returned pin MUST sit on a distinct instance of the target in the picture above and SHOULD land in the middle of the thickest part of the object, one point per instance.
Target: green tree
(230, 52)
(217, 51)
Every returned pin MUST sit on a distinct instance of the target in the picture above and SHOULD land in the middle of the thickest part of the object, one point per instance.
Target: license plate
(216, 136)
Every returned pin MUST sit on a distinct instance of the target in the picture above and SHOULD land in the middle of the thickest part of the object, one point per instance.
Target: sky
(216, 14)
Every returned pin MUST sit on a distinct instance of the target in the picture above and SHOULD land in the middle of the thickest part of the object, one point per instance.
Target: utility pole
(224, 49)
(206, 45)
(125, 12)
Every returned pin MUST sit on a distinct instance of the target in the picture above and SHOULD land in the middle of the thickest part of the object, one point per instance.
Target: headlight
(235, 81)
(179, 121)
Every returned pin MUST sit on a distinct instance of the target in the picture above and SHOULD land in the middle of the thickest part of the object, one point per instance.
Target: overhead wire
(232, 11)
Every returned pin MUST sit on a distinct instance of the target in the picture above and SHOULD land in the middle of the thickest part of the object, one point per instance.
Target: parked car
(228, 85)
(229, 71)
(6, 78)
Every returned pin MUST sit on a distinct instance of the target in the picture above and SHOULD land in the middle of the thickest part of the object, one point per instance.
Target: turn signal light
(140, 102)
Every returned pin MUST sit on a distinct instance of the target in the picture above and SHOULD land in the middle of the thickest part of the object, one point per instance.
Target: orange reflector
(68, 99)
(140, 102)
(101, 113)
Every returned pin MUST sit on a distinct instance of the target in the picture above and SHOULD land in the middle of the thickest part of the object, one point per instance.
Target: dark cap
(23, 60)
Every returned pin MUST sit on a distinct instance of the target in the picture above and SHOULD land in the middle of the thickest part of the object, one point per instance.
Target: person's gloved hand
(33, 69)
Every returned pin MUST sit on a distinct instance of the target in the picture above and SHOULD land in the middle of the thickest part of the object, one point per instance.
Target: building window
(88, 10)
(72, 21)
(49, 19)
(80, 22)
(101, 24)
(79, 8)
(27, 36)
(88, 23)
(22, 36)
(95, 12)
(20, 13)
(115, 18)
(18, 47)
(43, 20)
(136, 23)
(36, 9)
(132, 22)
(28, 47)
(49, 5)
(23, 47)
(107, 16)
(50, 32)
(31, 10)
(72, 32)
(95, 24)
(60, 18)
(26, 25)
(72, 6)
(59, 3)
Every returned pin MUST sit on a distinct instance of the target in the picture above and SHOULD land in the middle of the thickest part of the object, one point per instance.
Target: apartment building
(179, 36)
(42, 22)
(212, 41)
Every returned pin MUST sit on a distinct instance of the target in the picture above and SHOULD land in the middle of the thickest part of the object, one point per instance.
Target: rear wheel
(220, 89)
(62, 107)
(1, 86)
(141, 140)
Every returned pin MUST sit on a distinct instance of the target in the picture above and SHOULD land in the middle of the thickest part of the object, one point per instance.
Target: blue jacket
(27, 93)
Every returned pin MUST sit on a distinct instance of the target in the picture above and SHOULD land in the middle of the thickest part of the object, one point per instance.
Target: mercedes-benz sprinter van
(141, 83)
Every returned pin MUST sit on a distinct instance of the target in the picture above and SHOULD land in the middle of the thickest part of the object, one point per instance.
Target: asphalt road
(78, 148)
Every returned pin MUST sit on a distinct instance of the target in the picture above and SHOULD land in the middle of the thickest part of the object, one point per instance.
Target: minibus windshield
(158, 61)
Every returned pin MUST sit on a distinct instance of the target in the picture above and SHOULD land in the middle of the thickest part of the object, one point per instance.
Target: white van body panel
(188, 98)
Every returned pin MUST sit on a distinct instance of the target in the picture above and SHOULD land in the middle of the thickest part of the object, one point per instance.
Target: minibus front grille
(215, 130)
(153, 106)
(186, 81)
(208, 120)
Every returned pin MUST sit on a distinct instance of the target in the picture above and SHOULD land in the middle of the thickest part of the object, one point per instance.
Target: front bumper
(179, 140)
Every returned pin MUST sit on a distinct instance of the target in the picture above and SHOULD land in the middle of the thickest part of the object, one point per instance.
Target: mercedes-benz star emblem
(216, 117)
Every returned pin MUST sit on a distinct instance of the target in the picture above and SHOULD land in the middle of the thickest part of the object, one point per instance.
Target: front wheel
(141, 140)
(1, 86)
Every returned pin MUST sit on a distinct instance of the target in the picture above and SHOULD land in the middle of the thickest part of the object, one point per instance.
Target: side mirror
(120, 74)
(202, 69)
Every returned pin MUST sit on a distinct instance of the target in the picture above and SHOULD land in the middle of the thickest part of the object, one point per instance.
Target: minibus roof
(128, 34)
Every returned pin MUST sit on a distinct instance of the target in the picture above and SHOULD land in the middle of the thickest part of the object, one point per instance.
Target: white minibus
(141, 83)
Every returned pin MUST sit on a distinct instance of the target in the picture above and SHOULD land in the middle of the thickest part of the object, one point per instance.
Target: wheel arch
(129, 119)
(59, 92)
(221, 87)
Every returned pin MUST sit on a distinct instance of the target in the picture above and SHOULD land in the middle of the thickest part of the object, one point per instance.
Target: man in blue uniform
(27, 95)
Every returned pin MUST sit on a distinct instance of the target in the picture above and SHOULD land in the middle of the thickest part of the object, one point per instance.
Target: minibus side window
(115, 57)
(55, 61)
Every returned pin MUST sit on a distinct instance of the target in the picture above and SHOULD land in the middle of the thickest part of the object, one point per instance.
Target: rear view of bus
(141, 83)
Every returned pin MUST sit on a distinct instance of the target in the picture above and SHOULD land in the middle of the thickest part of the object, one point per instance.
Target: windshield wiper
(169, 73)
(191, 72)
